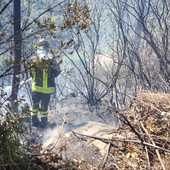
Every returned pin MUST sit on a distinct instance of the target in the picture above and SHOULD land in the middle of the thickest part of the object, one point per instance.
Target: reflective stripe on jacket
(42, 77)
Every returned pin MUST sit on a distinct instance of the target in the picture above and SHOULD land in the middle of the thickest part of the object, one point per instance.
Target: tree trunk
(17, 53)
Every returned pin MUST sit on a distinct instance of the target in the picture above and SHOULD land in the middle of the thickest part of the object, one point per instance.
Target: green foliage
(12, 154)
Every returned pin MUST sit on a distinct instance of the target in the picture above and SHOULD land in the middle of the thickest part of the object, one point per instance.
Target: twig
(146, 148)
(157, 152)
(78, 136)
(124, 140)
(127, 122)
(56, 140)
(106, 156)
(147, 155)
(114, 163)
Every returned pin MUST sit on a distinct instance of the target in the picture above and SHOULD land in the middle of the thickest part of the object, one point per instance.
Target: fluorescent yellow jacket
(43, 74)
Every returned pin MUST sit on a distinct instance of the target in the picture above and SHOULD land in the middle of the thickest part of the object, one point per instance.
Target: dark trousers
(40, 103)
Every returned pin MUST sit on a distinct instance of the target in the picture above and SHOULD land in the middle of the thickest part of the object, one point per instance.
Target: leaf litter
(86, 139)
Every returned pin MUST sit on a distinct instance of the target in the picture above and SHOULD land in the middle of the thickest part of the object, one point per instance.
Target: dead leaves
(150, 116)
(77, 16)
(142, 142)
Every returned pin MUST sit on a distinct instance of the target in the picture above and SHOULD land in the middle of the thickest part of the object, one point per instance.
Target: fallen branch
(123, 140)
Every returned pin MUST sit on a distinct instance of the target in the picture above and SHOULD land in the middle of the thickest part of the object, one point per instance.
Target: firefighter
(44, 70)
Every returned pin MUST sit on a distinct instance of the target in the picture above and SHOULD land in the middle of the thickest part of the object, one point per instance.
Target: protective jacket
(43, 74)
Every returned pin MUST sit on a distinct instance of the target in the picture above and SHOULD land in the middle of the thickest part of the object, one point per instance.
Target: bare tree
(86, 78)
(142, 27)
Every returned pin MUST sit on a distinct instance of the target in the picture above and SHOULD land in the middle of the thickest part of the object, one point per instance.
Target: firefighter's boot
(44, 122)
(35, 121)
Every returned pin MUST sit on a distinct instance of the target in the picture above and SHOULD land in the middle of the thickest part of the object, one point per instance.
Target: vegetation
(110, 50)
